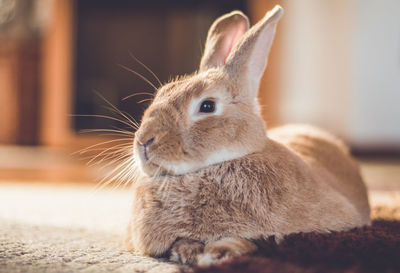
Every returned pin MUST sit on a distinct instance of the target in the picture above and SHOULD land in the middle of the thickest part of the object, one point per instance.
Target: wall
(341, 69)
(375, 96)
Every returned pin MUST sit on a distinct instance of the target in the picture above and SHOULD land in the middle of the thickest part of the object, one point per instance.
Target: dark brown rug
(369, 249)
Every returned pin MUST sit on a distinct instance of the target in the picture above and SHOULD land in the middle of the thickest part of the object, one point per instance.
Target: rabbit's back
(329, 159)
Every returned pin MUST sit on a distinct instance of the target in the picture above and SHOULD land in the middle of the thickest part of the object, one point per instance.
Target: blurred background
(334, 64)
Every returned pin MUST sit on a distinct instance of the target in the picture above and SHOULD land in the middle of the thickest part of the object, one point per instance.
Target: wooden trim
(19, 83)
(58, 57)
(28, 59)
(9, 114)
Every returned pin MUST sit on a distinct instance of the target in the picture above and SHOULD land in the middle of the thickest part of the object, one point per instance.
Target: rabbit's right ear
(224, 33)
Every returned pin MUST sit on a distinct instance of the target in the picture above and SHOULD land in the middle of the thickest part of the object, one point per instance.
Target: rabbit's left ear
(224, 33)
(248, 59)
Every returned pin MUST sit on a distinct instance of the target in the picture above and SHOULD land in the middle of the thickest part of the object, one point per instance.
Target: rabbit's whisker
(114, 154)
(111, 177)
(126, 177)
(84, 150)
(139, 75)
(119, 157)
(123, 114)
(106, 117)
(143, 100)
(117, 132)
(116, 159)
(147, 68)
(124, 173)
(133, 122)
(138, 94)
(114, 150)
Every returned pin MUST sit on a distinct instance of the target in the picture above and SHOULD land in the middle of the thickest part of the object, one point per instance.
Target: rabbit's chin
(170, 168)
(153, 170)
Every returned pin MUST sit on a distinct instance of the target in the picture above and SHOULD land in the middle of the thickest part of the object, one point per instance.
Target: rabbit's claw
(224, 249)
(186, 251)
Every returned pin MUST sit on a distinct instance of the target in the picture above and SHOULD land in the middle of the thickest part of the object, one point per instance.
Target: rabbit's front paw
(185, 251)
(221, 250)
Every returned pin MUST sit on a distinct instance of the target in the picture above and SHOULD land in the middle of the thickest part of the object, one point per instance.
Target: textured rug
(71, 228)
(369, 249)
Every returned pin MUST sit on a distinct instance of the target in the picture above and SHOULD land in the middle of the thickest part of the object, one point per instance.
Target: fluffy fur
(208, 183)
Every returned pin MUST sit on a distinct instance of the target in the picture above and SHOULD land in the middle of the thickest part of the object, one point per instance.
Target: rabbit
(210, 179)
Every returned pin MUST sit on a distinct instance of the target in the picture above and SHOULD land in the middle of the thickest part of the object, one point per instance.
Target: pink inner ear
(233, 37)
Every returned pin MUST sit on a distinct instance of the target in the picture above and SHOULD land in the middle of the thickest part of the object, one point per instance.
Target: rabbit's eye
(207, 106)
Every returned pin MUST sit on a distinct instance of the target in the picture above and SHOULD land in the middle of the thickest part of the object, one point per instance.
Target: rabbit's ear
(248, 59)
(222, 36)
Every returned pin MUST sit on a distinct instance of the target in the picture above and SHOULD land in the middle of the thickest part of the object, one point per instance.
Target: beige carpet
(72, 228)
(67, 229)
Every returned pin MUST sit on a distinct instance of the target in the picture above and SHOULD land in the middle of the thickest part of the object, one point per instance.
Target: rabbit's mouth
(152, 169)
(148, 163)
(154, 164)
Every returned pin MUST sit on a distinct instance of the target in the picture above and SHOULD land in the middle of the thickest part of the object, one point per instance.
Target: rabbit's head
(213, 115)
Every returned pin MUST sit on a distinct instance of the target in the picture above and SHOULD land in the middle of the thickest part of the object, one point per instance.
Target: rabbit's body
(285, 188)
(210, 179)
(330, 163)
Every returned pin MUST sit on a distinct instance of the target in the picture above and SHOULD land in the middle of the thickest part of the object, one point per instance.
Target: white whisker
(139, 75)
(138, 94)
(125, 115)
(84, 150)
(121, 132)
(111, 177)
(106, 117)
(148, 69)
(144, 100)
(134, 123)
(104, 152)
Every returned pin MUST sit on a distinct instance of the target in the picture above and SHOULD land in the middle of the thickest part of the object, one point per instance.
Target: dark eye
(207, 106)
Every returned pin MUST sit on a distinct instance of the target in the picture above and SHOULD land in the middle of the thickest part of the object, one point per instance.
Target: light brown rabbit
(210, 178)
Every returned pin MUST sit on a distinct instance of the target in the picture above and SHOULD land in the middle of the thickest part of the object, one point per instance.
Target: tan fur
(218, 179)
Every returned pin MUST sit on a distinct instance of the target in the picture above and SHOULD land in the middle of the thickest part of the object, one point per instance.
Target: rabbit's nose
(148, 142)
(143, 148)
